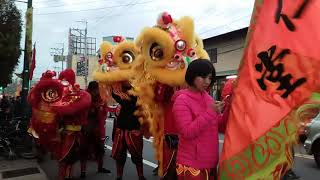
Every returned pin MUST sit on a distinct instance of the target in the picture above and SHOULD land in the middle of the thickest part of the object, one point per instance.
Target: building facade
(225, 52)
(92, 61)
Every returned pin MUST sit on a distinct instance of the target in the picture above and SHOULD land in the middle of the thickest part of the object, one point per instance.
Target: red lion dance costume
(59, 110)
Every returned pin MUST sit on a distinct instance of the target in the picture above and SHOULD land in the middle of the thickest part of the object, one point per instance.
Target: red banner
(279, 70)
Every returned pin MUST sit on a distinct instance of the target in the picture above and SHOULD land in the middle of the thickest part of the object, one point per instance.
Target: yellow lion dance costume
(114, 76)
(115, 65)
(165, 52)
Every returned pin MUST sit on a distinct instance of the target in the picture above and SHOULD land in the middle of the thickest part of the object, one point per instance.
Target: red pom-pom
(49, 74)
(166, 18)
(100, 61)
(76, 87)
(118, 39)
(68, 75)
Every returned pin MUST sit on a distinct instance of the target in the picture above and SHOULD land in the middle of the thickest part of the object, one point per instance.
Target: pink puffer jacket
(197, 125)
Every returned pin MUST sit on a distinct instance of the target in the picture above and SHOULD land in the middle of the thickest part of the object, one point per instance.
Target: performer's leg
(290, 174)
(41, 152)
(65, 170)
(68, 172)
(68, 154)
(62, 170)
(169, 157)
(100, 163)
(170, 172)
(83, 164)
(139, 165)
(120, 166)
(100, 156)
(84, 153)
(101, 169)
(71, 158)
(65, 165)
(119, 151)
(134, 140)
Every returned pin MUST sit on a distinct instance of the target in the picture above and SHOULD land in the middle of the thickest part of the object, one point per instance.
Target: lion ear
(186, 26)
(199, 48)
(104, 48)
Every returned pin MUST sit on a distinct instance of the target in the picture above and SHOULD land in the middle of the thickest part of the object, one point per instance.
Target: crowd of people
(10, 107)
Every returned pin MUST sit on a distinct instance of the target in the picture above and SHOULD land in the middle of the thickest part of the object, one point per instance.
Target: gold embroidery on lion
(45, 117)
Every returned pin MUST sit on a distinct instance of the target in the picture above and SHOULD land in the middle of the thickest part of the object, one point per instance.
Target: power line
(21, 1)
(45, 1)
(132, 3)
(83, 10)
(122, 14)
(211, 29)
(75, 3)
(93, 20)
(51, 1)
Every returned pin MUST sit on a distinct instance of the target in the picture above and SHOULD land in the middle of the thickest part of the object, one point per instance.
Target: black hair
(93, 85)
(202, 68)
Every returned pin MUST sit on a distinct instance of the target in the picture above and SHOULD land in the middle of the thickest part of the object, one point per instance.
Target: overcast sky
(53, 18)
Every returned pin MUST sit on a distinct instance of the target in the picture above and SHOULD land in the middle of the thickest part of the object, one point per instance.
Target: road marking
(149, 140)
(109, 121)
(146, 162)
(305, 156)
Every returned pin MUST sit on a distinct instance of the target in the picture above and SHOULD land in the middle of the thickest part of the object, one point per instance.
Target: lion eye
(127, 57)
(156, 52)
(50, 95)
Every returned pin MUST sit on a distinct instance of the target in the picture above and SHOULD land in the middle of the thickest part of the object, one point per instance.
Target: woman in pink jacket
(198, 119)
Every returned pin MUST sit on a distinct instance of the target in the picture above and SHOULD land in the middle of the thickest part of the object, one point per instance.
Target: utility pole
(57, 54)
(27, 58)
(56, 69)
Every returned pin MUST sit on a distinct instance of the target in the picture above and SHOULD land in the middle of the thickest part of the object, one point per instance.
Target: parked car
(312, 143)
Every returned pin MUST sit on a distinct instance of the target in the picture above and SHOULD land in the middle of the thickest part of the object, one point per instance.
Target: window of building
(213, 54)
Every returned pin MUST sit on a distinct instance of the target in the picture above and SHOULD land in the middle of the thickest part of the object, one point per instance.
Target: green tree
(10, 36)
